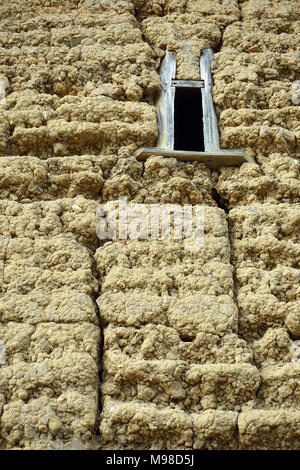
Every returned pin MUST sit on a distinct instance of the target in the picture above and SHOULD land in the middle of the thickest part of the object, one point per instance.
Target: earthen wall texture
(139, 344)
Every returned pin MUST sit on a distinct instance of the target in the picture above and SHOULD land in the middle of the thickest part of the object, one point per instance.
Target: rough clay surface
(140, 344)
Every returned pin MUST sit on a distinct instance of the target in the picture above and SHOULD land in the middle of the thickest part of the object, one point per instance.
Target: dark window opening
(188, 123)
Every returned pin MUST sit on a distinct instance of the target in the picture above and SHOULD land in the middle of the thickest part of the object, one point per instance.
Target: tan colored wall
(141, 344)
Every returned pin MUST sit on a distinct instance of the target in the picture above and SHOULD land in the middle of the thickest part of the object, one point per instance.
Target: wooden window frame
(165, 108)
(213, 156)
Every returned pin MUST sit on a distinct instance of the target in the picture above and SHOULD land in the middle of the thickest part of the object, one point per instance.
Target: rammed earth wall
(139, 344)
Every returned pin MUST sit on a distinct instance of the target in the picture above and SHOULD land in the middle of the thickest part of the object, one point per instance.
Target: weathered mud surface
(139, 344)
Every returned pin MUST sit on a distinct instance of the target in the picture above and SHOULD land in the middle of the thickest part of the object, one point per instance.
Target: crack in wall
(94, 297)
(221, 203)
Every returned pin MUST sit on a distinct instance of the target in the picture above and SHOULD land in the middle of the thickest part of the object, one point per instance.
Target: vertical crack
(222, 204)
(94, 297)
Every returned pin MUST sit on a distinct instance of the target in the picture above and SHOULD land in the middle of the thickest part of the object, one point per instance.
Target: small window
(186, 114)
(187, 122)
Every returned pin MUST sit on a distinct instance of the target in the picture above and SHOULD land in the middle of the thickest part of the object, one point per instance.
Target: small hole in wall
(188, 126)
(186, 339)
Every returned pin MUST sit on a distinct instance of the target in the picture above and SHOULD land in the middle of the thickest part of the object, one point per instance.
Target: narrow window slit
(188, 120)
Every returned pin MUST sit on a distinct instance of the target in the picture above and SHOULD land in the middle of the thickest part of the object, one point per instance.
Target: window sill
(212, 159)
